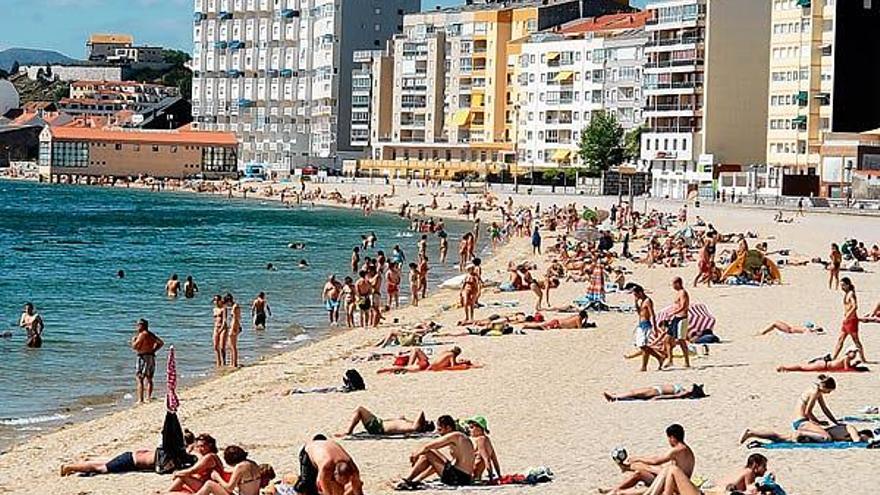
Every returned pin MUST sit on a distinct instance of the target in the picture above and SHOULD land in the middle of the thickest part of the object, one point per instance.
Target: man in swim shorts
(259, 309)
(331, 295)
(126, 462)
(145, 344)
(677, 329)
(397, 426)
(363, 292)
(326, 468)
(429, 460)
(646, 326)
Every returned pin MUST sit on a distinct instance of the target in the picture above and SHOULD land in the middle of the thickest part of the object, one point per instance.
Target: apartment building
(275, 71)
(587, 66)
(371, 84)
(120, 49)
(454, 99)
(129, 91)
(111, 152)
(702, 81)
(824, 74)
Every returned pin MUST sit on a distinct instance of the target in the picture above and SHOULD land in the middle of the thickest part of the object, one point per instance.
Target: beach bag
(353, 381)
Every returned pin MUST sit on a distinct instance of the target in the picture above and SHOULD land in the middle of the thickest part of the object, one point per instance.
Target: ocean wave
(33, 420)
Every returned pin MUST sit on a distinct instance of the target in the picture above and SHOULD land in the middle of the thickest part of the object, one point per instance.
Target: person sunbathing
(418, 361)
(873, 316)
(430, 459)
(518, 317)
(136, 460)
(744, 478)
(836, 433)
(659, 392)
(647, 470)
(785, 327)
(569, 322)
(396, 426)
(847, 362)
(193, 478)
(246, 478)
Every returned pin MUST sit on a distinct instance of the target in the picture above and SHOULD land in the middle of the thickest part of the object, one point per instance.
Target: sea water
(61, 247)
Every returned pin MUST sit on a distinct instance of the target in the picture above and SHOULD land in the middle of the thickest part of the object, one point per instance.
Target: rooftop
(117, 135)
(111, 38)
(610, 22)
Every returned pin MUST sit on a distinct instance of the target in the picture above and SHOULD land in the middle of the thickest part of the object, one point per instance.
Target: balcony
(688, 129)
(289, 14)
(658, 64)
(673, 41)
(804, 3)
(803, 98)
(674, 85)
(224, 16)
(672, 107)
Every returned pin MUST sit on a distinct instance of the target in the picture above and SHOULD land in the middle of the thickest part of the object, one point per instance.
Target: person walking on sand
(233, 319)
(646, 327)
(677, 329)
(850, 326)
(648, 469)
(221, 331)
(392, 284)
(190, 289)
(32, 323)
(536, 241)
(834, 267)
(260, 310)
(172, 286)
(331, 299)
(145, 344)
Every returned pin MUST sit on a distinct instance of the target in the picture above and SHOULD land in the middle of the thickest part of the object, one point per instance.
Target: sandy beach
(541, 392)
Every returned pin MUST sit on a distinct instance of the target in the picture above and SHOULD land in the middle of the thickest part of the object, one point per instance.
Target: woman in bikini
(659, 392)
(834, 267)
(847, 362)
(807, 427)
(785, 327)
(221, 329)
(233, 323)
(469, 290)
(246, 478)
(192, 479)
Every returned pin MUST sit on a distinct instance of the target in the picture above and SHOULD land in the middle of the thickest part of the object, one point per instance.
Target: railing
(673, 128)
(670, 107)
(674, 85)
(673, 41)
(673, 63)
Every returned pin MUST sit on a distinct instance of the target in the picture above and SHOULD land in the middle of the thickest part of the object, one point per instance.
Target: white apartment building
(565, 77)
(272, 71)
(706, 70)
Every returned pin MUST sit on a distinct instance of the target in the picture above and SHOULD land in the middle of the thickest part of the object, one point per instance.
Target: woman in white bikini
(221, 330)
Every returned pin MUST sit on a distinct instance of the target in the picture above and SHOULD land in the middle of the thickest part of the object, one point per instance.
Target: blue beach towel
(799, 446)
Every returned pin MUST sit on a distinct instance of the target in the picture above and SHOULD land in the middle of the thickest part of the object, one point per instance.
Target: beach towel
(812, 446)
(362, 435)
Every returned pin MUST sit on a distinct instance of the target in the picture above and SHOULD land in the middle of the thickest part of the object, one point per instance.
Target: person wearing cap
(145, 344)
(486, 459)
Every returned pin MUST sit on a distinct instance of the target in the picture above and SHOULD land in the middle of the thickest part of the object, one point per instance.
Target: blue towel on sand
(820, 446)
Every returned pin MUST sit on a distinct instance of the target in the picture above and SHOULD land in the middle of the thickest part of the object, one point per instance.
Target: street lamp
(848, 179)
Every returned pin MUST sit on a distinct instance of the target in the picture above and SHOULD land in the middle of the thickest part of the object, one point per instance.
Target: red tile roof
(611, 22)
(147, 137)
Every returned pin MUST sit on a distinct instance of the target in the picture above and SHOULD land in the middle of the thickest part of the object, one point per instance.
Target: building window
(155, 148)
(174, 149)
(118, 146)
(137, 147)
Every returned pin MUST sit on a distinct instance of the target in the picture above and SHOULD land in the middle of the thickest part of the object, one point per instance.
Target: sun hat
(479, 421)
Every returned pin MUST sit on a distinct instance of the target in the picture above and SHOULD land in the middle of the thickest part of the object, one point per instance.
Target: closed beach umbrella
(171, 400)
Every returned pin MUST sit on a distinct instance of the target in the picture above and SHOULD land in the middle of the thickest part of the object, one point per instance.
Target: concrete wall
(77, 72)
(736, 75)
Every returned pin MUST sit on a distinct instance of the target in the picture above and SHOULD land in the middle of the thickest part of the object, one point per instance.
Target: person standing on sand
(415, 284)
(233, 320)
(677, 329)
(850, 326)
(648, 470)
(536, 241)
(646, 327)
(221, 330)
(348, 297)
(469, 291)
(331, 299)
(190, 289)
(172, 286)
(374, 277)
(32, 322)
(259, 310)
(423, 275)
(363, 292)
(463, 252)
(834, 267)
(392, 282)
(145, 344)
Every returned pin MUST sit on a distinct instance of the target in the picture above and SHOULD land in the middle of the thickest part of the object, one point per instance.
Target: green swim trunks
(374, 426)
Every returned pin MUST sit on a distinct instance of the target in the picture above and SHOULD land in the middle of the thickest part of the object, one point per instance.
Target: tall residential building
(703, 77)
(454, 100)
(824, 77)
(278, 73)
(566, 76)
(371, 84)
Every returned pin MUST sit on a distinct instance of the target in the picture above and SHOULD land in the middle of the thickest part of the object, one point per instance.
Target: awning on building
(552, 55)
(477, 100)
(563, 75)
(560, 155)
(799, 120)
(461, 117)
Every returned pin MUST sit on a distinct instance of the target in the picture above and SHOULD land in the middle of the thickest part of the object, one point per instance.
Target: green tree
(633, 143)
(601, 145)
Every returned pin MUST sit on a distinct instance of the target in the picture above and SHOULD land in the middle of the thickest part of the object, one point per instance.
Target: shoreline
(85, 409)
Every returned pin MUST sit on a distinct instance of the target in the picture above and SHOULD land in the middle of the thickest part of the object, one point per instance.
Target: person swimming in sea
(190, 289)
(172, 286)
(303, 263)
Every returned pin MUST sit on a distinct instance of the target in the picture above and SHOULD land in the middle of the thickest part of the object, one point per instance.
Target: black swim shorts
(123, 463)
(307, 484)
(452, 476)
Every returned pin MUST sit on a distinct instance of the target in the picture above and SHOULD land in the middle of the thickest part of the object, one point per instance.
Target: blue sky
(63, 25)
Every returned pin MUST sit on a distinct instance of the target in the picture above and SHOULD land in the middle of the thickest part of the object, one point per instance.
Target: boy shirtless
(429, 460)
(145, 344)
(677, 330)
(646, 327)
(647, 469)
